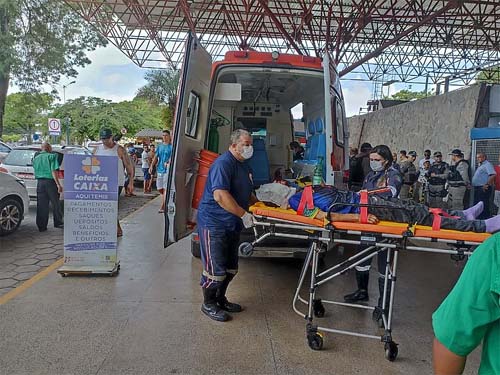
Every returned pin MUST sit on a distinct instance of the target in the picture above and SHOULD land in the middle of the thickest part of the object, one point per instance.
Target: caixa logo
(90, 179)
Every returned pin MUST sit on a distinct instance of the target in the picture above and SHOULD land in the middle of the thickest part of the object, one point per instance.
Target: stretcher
(323, 235)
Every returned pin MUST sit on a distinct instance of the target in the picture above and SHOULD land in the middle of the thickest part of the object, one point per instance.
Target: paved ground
(147, 319)
(28, 251)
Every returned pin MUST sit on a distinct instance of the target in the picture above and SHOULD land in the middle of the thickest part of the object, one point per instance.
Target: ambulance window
(339, 122)
(192, 114)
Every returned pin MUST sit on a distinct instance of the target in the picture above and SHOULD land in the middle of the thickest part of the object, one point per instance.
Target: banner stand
(90, 215)
(86, 270)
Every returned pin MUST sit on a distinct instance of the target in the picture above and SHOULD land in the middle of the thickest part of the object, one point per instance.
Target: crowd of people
(436, 183)
(154, 161)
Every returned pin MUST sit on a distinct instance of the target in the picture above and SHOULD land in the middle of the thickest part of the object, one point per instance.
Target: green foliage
(23, 111)
(408, 95)
(44, 40)
(12, 137)
(161, 88)
(41, 41)
(490, 75)
(89, 114)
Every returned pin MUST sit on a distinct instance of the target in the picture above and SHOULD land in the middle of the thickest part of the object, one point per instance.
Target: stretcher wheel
(245, 249)
(318, 308)
(391, 351)
(315, 340)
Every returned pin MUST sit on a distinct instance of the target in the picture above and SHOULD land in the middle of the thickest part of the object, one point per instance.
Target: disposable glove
(247, 219)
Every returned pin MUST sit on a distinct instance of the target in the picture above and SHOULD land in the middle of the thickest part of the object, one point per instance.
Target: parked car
(19, 163)
(14, 203)
(4, 150)
(139, 175)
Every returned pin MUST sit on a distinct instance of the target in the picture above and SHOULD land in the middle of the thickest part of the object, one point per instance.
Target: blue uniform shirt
(390, 178)
(163, 153)
(226, 173)
(482, 173)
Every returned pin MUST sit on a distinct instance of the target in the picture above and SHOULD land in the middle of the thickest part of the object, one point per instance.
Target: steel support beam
(451, 4)
(279, 25)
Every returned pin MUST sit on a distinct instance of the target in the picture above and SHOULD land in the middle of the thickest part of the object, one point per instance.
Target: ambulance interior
(260, 100)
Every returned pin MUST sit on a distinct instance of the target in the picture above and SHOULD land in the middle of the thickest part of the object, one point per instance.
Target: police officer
(222, 213)
(437, 176)
(383, 174)
(48, 188)
(458, 180)
(409, 172)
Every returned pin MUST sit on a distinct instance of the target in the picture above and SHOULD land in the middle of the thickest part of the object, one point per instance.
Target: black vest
(437, 169)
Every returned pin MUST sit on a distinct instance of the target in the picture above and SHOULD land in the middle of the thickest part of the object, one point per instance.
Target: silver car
(14, 203)
(19, 163)
(4, 150)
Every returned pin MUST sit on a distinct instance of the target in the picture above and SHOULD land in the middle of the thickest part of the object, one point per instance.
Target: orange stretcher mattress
(383, 227)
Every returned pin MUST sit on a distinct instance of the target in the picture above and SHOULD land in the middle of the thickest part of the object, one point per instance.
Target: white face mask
(247, 152)
(376, 165)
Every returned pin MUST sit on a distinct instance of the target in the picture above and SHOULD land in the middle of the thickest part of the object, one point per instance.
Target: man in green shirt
(48, 188)
(471, 314)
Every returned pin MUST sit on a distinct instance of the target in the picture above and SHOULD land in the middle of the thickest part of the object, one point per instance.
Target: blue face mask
(376, 165)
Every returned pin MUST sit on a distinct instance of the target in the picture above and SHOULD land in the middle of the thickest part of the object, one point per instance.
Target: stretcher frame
(321, 238)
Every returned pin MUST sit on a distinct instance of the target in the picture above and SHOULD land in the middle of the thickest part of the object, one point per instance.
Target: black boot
(361, 294)
(210, 307)
(222, 301)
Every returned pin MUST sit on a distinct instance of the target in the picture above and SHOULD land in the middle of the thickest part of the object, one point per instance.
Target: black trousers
(418, 213)
(46, 191)
(483, 196)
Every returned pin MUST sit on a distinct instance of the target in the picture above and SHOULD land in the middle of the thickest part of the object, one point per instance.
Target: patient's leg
(411, 213)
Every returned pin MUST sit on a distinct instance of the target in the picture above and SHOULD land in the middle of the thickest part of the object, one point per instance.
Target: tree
(408, 95)
(89, 114)
(41, 41)
(489, 75)
(24, 111)
(161, 88)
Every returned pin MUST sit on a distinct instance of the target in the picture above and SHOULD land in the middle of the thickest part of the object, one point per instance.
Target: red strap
(438, 214)
(306, 200)
(363, 211)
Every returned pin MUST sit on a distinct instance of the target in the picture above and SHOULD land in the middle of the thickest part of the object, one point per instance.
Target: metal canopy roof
(404, 40)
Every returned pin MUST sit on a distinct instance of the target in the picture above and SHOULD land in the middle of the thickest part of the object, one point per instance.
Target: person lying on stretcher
(318, 201)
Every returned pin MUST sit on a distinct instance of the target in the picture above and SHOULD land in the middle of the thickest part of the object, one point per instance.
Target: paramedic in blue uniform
(222, 214)
(383, 174)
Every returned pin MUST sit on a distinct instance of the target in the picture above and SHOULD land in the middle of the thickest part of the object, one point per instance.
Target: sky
(113, 76)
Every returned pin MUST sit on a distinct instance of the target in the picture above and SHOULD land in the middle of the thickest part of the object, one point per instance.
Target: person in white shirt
(110, 148)
(146, 162)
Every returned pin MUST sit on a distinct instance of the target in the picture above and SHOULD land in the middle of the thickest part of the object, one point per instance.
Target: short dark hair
(383, 151)
(366, 147)
(294, 144)
(427, 151)
(166, 131)
(402, 152)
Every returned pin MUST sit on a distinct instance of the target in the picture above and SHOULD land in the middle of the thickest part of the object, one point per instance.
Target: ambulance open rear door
(335, 125)
(189, 133)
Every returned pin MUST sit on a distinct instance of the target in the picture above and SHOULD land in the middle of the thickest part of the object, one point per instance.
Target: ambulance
(256, 91)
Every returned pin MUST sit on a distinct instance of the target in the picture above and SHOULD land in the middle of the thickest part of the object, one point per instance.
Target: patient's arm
(353, 218)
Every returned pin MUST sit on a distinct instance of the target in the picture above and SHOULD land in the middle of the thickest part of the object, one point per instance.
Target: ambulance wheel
(315, 340)
(391, 351)
(245, 249)
(318, 308)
